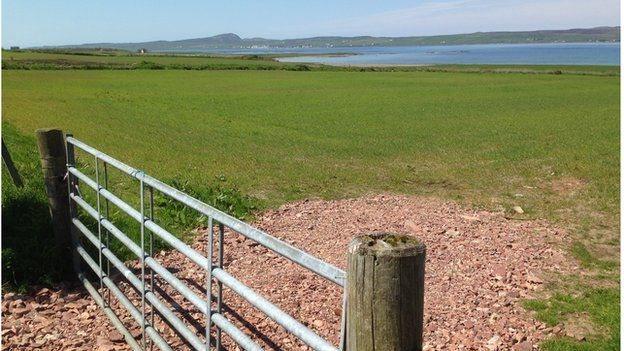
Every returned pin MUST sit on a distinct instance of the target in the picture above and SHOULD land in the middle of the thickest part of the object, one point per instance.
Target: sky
(47, 22)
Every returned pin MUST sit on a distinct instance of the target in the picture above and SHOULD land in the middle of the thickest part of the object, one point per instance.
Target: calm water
(527, 54)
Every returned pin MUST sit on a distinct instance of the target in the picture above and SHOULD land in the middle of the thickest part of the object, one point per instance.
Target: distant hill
(233, 41)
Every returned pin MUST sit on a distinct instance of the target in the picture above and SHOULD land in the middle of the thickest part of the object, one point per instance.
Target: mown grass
(490, 140)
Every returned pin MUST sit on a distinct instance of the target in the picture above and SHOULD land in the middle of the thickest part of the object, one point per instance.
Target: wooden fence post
(54, 166)
(385, 293)
(8, 162)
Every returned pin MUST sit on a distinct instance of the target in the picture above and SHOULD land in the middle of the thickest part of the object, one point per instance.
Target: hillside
(233, 41)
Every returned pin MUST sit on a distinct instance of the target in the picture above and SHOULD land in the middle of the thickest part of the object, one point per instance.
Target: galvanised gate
(143, 283)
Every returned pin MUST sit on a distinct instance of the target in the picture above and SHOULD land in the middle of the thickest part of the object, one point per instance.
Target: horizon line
(329, 36)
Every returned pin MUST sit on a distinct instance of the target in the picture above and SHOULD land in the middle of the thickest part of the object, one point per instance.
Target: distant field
(287, 135)
(125, 61)
(552, 69)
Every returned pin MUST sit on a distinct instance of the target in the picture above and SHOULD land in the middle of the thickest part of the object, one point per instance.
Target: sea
(503, 54)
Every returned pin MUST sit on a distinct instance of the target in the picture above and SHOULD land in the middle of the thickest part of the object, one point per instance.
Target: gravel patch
(479, 267)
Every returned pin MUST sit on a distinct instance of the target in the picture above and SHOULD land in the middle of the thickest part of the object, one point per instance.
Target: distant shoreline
(278, 56)
(481, 54)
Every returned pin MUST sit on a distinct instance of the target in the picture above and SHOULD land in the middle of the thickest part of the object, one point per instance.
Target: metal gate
(149, 265)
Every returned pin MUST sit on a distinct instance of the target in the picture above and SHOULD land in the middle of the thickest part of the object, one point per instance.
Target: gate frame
(213, 271)
(387, 292)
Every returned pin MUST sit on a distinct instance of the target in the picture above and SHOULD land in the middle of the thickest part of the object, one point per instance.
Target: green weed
(590, 261)
(601, 305)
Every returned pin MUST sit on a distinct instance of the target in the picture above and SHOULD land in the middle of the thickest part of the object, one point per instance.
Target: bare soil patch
(568, 186)
(480, 265)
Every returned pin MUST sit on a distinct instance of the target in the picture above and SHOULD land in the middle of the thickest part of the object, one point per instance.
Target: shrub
(226, 199)
(148, 65)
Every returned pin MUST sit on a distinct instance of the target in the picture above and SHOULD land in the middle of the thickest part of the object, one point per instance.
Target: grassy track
(548, 143)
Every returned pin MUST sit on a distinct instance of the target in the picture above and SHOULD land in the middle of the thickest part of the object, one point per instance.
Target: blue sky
(47, 22)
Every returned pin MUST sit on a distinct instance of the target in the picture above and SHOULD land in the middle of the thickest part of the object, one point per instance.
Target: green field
(548, 143)
(136, 58)
(287, 135)
(47, 60)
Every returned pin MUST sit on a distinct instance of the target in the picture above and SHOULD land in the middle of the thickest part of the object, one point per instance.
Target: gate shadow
(200, 327)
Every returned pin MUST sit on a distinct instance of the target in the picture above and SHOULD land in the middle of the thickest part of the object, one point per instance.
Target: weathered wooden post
(385, 293)
(54, 166)
(8, 162)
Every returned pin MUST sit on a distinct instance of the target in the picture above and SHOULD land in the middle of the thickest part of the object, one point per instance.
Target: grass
(597, 310)
(591, 304)
(534, 69)
(281, 136)
(546, 142)
(587, 260)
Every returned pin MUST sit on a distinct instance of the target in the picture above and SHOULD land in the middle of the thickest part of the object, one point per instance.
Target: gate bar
(209, 248)
(298, 256)
(149, 224)
(219, 284)
(274, 312)
(142, 260)
(289, 323)
(117, 323)
(134, 312)
(235, 333)
(164, 311)
(106, 208)
(99, 211)
(151, 262)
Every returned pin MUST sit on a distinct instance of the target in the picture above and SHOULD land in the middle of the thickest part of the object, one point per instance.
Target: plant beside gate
(226, 199)
(180, 219)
